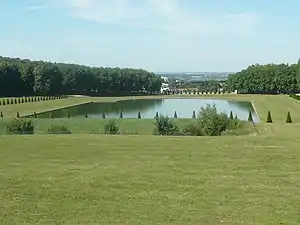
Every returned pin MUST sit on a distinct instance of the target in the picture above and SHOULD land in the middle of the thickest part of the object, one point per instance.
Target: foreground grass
(95, 179)
(126, 126)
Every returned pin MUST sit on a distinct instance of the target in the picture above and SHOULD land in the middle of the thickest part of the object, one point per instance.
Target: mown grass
(98, 179)
(126, 126)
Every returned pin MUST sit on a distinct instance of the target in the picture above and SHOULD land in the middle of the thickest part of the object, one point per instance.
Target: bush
(165, 126)
(231, 115)
(139, 115)
(175, 115)
(288, 118)
(1, 115)
(194, 115)
(269, 118)
(20, 126)
(250, 119)
(59, 129)
(121, 115)
(192, 129)
(111, 128)
(213, 123)
(103, 115)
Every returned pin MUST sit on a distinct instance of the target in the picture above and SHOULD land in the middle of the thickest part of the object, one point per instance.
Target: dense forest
(26, 78)
(266, 79)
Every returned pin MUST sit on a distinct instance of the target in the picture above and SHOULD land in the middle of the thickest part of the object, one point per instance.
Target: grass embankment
(96, 179)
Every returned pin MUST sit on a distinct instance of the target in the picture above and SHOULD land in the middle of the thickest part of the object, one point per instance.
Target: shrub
(7, 101)
(20, 126)
(15, 101)
(165, 126)
(50, 115)
(231, 115)
(69, 115)
(103, 115)
(139, 115)
(288, 118)
(1, 115)
(213, 123)
(11, 101)
(59, 129)
(18, 115)
(175, 115)
(192, 129)
(121, 115)
(269, 118)
(250, 119)
(86, 115)
(22, 100)
(3, 102)
(156, 115)
(34, 115)
(194, 115)
(0, 102)
(111, 128)
(19, 100)
(25, 100)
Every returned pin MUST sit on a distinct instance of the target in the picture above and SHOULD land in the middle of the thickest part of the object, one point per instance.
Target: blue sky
(157, 35)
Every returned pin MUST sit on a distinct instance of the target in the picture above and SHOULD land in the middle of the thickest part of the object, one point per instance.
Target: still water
(148, 108)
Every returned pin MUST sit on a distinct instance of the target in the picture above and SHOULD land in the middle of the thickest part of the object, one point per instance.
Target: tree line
(266, 79)
(23, 77)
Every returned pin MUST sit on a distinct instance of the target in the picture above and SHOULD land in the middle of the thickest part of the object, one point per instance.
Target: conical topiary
(0, 102)
(288, 118)
(156, 115)
(121, 115)
(7, 101)
(15, 101)
(69, 115)
(269, 118)
(175, 115)
(103, 115)
(139, 115)
(50, 115)
(3, 102)
(86, 115)
(18, 115)
(11, 101)
(1, 114)
(250, 119)
(231, 115)
(34, 115)
(194, 114)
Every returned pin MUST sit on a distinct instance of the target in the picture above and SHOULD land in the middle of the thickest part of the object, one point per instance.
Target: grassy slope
(86, 179)
(94, 179)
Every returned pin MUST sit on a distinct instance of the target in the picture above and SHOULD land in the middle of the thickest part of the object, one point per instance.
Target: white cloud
(166, 15)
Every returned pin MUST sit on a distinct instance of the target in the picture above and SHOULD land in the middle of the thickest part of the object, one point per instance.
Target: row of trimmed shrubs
(11, 101)
(180, 92)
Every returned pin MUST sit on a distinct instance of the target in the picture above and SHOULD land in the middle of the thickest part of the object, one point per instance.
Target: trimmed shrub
(269, 118)
(18, 115)
(22, 100)
(156, 115)
(50, 115)
(103, 115)
(7, 101)
(20, 126)
(29, 99)
(250, 119)
(139, 115)
(34, 115)
(58, 129)
(86, 115)
(11, 101)
(69, 115)
(194, 115)
(1, 115)
(231, 115)
(175, 115)
(3, 102)
(0, 102)
(121, 115)
(288, 118)
(111, 128)
(19, 100)
(15, 101)
(165, 126)
(25, 100)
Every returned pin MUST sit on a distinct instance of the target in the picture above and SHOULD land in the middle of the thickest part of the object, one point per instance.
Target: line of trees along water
(22, 77)
(266, 79)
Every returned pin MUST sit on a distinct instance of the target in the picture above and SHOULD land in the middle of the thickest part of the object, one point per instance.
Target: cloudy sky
(157, 35)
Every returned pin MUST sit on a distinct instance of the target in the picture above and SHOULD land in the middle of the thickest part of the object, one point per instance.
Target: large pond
(148, 108)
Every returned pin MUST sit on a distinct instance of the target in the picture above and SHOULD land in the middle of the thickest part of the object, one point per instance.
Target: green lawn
(95, 179)
(101, 179)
